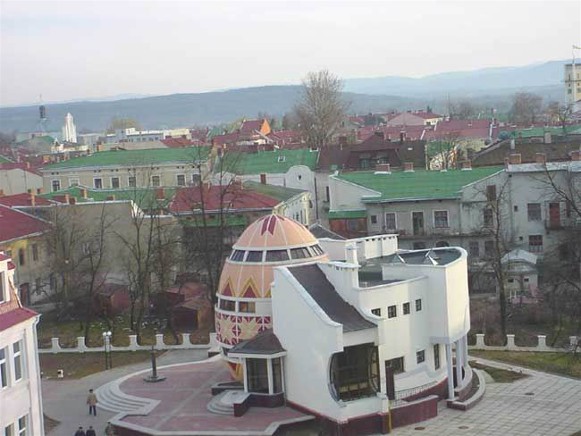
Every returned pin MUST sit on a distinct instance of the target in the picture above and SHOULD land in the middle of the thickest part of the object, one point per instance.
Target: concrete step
(112, 399)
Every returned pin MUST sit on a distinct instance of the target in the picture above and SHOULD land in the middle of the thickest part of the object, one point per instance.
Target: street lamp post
(107, 345)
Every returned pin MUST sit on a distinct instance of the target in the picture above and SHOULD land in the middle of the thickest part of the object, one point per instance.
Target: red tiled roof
(228, 138)
(189, 289)
(14, 316)
(426, 115)
(178, 142)
(15, 224)
(249, 126)
(4, 257)
(187, 199)
(24, 199)
(476, 129)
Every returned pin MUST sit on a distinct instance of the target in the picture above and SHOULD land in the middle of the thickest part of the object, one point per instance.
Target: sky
(65, 50)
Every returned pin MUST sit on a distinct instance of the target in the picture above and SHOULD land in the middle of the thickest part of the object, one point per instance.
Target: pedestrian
(92, 402)
(90, 431)
(110, 431)
(80, 432)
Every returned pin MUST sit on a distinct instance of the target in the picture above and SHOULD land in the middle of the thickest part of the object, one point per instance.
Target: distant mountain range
(487, 87)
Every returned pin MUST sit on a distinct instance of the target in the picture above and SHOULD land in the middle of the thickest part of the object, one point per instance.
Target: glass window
(35, 252)
(535, 243)
(237, 255)
(317, 250)
(56, 185)
(17, 359)
(396, 364)
(376, 311)
(300, 253)
(131, 182)
(254, 256)
(437, 356)
(406, 308)
(155, 181)
(534, 211)
(474, 249)
(488, 217)
(98, 183)
(418, 304)
(373, 219)
(276, 255)
(257, 375)
(3, 373)
(2, 293)
(420, 356)
(227, 305)
(9, 430)
(247, 307)
(22, 426)
(392, 311)
(181, 180)
(115, 182)
(21, 256)
(390, 220)
(355, 372)
(441, 219)
(489, 248)
(491, 193)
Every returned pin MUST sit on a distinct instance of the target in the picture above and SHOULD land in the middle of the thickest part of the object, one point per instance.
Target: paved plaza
(542, 404)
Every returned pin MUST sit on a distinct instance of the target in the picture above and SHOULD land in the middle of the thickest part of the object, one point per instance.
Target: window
(474, 249)
(489, 248)
(22, 426)
(317, 250)
(437, 356)
(17, 359)
(300, 253)
(247, 307)
(392, 311)
(373, 219)
(390, 222)
(21, 257)
(227, 305)
(327, 194)
(2, 296)
(181, 180)
(37, 285)
(115, 182)
(488, 217)
(376, 311)
(98, 183)
(420, 356)
(441, 219)
(418, 304)
(3, 370)
(534, 211)
(406, 308)
(536, 243)
(56, 185)
(396, 364)
(35, 252)
(491, 193)
(254, 256)
(354, 372)
(276, 255)
(237, 255)
(9, 430)
(73, 182)
(195, 179)
(155, 181)
(131, 181)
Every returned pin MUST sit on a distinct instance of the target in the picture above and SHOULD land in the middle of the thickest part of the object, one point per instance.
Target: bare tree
(462, 110)
(526, 108)
(122, 123)
(321, 108)
(559, 113)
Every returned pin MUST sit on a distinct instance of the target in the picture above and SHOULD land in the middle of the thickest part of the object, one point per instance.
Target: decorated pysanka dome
(244, 309)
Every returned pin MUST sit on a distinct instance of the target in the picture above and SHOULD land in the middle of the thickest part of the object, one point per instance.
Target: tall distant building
(573, 85)
(69, 129)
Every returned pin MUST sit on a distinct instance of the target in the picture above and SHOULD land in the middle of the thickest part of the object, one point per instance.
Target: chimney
(512, 144)
(548, 138)
(32, 199)
(514, 159)
(576, 155)
(383, 168)
(401, 136)
(111, 198)
(351, 254)
(39, 191)
(27, 165)
(540, 158)
(159, 194)
(408, 167)
(466, 165)
(84, 193)
(72, 200)
(67, 199)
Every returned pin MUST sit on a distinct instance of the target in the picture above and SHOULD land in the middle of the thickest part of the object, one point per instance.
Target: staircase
(223, 404)
(111, 398)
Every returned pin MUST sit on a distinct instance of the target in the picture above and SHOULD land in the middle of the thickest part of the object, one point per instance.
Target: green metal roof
(535, 132)
(134, 157)
(417, 185)
(277, 192)
(4, 160)
(342, 214)
(271, 162)
(214, 221)
(143, 197)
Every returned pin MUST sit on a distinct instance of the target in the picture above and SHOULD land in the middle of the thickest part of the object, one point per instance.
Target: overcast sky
(75, 49)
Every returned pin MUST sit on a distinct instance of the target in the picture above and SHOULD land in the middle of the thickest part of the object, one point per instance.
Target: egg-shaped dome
(243, 306)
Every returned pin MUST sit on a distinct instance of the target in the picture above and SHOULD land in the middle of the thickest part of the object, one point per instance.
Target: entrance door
(25, 294)
(418, 223)
(389, 382)
(555, 215)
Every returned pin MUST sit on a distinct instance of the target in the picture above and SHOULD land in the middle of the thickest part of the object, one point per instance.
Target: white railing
(574, 342)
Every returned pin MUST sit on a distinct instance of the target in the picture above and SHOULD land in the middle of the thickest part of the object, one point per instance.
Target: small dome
(275, 231)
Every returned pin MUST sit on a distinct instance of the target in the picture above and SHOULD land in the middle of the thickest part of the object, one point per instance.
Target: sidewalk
(64, 400)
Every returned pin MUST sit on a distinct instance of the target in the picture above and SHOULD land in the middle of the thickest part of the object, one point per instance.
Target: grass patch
(499, 375)
(79, 365)
(557, 363)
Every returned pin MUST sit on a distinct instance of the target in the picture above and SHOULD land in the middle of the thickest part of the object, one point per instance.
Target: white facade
(69, 129)
(20, 394)
(573, 86)
(19, 181)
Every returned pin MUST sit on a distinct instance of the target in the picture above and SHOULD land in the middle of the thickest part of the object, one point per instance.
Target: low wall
(511, 346)
(133, 345)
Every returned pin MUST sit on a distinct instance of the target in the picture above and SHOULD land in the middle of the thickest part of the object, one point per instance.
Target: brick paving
(509, 409)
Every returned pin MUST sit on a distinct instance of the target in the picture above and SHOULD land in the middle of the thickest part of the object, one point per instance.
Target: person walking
(80, 432)
(92, 402)
(90, 431)
(110, 431)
